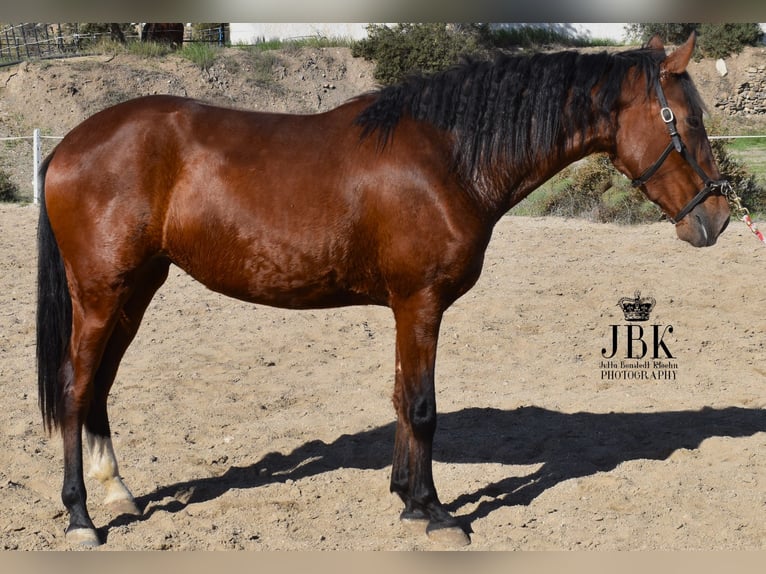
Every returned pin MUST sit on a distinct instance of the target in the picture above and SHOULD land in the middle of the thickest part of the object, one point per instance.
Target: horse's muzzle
(702, 226)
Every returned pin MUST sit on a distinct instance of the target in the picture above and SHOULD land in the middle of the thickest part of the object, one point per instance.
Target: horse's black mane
(520, 108)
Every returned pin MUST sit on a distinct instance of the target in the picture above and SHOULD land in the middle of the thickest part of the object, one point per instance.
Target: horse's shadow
(567, 445)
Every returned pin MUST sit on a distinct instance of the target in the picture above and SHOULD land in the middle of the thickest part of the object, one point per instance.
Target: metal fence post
(36, 151)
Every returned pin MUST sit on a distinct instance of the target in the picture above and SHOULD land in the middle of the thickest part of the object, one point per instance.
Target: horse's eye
(694, 122)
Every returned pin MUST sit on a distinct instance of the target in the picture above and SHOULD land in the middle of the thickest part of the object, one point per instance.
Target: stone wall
(748, 98)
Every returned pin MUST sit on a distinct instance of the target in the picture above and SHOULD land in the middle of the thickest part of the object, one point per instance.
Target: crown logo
(636, 308)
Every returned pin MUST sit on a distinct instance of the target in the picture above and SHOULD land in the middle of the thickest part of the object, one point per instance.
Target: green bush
(580, 188)
(721, 40)
(9, 191)
(670, 32)
(408, 48)
(145, 49)
(426, 48)
(746, 185)
(714, 40)
(200, 53)
(623, 203)
(534, 37)
(594, 190)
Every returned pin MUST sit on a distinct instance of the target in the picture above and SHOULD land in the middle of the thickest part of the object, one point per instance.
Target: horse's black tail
(54, 314)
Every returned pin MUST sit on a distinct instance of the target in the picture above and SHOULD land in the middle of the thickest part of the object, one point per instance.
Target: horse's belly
(274, 247)
(296, 275)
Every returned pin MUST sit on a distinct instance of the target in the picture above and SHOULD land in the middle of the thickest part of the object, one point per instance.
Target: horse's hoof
(451, 536)
(83, 537)
(123, 506)
(415, 521)
(416, 517)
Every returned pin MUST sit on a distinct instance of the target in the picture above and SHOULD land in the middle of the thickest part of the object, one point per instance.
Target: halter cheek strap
(676, 143)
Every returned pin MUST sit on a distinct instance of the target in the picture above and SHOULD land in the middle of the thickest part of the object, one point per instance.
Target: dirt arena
(246, 427)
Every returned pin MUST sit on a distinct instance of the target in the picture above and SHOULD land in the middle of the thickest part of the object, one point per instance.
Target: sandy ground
(246, 427)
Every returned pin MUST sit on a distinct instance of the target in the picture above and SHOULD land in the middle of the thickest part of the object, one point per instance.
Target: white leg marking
(103, 467)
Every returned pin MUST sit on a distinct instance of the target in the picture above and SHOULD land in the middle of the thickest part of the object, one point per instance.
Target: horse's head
(661, 144)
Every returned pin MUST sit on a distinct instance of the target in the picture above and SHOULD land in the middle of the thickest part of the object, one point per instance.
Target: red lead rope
(735, 202)
(753, 228)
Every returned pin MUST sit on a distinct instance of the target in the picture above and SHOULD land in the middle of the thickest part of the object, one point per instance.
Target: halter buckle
(667, 115)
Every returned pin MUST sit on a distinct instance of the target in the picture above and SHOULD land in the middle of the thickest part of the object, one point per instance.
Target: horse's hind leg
(91, 327)
(103, 462)
(98, 331)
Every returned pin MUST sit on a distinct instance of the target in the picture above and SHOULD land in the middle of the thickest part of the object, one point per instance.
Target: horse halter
(676, 143)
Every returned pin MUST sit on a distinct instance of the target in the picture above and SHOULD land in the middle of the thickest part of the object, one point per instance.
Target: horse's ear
(655, 43)
(677, 61)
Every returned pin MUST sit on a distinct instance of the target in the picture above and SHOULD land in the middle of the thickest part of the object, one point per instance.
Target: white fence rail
(37, 147)
(37, 138)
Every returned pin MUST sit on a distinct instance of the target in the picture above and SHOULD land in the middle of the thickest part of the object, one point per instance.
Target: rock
(720, 65)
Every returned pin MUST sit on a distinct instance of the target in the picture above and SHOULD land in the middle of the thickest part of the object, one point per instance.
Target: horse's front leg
(417, 333)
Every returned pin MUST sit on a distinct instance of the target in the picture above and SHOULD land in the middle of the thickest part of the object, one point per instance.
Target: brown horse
(390, 199)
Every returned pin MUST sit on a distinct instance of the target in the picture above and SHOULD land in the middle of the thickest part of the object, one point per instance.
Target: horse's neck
(509, 186)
